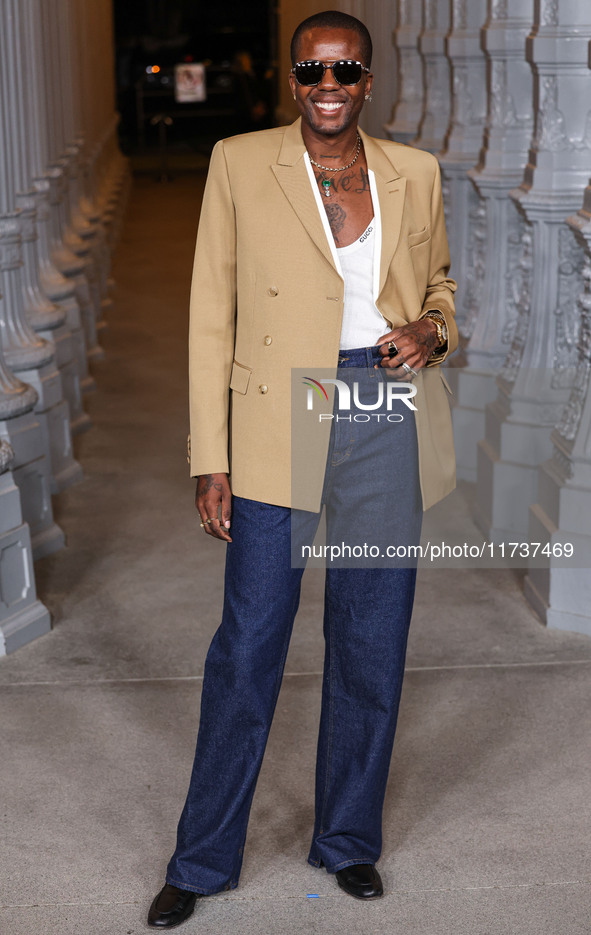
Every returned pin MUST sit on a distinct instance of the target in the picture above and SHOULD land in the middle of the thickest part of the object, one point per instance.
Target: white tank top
(363, 323)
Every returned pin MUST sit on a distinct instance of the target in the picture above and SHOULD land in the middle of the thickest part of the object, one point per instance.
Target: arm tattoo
(206, 482)
(427, 340)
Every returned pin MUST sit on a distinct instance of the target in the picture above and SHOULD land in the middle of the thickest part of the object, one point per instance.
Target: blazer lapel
(292, 175)
(391, 188)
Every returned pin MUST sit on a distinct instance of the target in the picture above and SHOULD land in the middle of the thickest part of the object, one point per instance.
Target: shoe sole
(174, 925)
(155, 925)
(363, 898)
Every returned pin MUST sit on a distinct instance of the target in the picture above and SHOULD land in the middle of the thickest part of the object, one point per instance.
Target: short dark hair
(333, 19)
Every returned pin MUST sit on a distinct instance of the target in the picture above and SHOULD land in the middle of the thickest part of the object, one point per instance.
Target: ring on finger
(392, 348)
(408, 369)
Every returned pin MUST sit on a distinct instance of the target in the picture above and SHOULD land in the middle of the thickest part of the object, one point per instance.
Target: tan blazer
(266, 297)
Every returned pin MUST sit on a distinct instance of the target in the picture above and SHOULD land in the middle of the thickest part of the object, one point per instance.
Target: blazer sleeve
(212, 322)
(440, 291)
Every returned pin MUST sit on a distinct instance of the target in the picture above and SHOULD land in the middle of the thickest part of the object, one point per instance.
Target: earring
(368, 97)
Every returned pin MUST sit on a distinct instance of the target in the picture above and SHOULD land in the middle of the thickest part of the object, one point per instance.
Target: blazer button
(273, 290)
(268, 339)
(263, 388)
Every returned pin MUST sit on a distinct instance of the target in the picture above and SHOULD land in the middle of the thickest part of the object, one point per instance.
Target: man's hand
(415, 342)
(213, 492)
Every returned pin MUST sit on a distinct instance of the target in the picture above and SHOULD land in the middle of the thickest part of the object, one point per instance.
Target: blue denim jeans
(367, 614)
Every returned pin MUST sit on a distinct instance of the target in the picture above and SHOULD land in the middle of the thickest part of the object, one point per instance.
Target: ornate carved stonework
(409, 84)
(567, 320)
(6, 455)
(430, 14)
(438, 93)
(42, 195)
(54, 178)
(502, 112)
(10, 241)
(459, 14)
(499, 9)
(551, 134)
(476, 265)
(403, 12)
(571, 416)
(549, 15)
(27, 205)
(463, 105)
(518, 293)
(514, 275)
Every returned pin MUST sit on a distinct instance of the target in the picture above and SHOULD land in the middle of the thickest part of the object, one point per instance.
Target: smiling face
(328, 108)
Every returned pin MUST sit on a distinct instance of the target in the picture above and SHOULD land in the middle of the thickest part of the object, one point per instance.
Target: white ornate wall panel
(561, 591)
(495, 277)
(63, 185)
(464, 141)
(380, 19)
(22, 616)
(437, 76)
(408, 106)
(539, 371)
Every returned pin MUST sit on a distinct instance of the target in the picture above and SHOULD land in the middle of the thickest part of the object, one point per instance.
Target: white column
(22, 617)
(408, 108)
(464, 142)
(83, 235)
(437, 106)
(24, 351)
(59, 288)
(559, 590)
(62, 237)
(539, 371)
(380, 19)
(494, 281)
(45, 318)
(108, 168)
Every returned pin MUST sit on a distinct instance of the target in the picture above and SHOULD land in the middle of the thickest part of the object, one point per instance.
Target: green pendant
(326, 186)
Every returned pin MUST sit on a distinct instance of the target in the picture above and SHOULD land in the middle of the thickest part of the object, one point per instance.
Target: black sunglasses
(311, 73)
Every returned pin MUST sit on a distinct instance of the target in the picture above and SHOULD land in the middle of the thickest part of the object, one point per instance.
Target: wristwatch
(438, 320)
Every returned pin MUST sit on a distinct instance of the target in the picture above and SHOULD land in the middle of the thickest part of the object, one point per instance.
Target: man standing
(318, 247)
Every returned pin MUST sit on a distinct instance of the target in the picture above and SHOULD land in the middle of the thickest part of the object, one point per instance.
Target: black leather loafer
(171, 907)
(360, 880)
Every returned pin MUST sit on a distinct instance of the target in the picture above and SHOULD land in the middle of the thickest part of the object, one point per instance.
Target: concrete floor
(487, 814)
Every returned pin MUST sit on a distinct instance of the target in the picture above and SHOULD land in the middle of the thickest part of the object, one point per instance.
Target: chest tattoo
(354, 183)
(337, 216)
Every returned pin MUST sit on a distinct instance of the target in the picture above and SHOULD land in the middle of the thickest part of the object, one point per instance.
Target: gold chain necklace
(326, 183)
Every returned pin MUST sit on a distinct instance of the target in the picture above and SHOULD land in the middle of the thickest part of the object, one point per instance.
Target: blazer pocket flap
(240, 377)
(420, 237)
(446, 384)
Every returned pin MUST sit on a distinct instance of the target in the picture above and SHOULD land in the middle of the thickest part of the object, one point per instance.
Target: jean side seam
(329, 742)
(277, 688)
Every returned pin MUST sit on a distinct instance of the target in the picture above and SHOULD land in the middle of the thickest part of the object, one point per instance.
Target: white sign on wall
(189, 83)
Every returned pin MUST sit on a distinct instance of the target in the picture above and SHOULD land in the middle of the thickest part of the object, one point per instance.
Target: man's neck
(330, 149)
